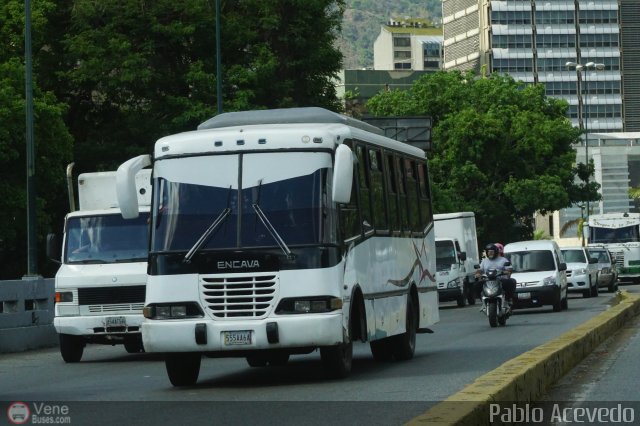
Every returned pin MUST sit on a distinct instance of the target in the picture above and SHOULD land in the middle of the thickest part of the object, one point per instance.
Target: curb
(526, 377)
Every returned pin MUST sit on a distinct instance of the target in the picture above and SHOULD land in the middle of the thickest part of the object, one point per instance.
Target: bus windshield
(626, 234)
(107, 239)
(295, 206)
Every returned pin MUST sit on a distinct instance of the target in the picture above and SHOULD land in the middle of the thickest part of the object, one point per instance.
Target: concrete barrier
(527, 377)
(26, 314)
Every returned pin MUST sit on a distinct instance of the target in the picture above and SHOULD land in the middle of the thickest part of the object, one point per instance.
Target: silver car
(582, 271)
(608, 275)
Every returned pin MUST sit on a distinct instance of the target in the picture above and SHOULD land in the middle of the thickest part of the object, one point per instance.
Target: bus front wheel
(337, 359)
(183, 368)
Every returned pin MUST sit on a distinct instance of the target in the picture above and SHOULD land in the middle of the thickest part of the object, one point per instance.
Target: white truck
(100, 286)
(456, 255)
(620, 234)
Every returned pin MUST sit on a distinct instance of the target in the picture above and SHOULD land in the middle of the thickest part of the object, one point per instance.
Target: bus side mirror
(342, 175)
(126, 191)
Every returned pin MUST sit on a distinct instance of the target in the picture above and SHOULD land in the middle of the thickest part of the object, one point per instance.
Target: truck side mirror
(53, 248)
(562, 266)
(476, 266)
(462, 255)
(342, 175)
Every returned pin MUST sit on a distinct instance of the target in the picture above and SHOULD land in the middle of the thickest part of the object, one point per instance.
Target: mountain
(363, 19)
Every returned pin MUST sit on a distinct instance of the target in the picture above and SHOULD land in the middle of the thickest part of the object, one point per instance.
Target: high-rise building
(532, 40)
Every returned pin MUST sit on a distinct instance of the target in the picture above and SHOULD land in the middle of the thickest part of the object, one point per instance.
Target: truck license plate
(233, 338)
(524, 295)
(116, 322)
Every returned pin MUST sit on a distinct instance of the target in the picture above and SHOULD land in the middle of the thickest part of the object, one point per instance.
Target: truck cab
(100, 286)
(450, 271)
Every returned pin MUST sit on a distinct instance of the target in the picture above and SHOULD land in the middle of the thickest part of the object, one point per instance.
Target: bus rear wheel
(405, 343)
(183, 368)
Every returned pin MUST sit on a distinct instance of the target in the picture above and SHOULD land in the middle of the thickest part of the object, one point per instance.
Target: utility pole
(32, 252)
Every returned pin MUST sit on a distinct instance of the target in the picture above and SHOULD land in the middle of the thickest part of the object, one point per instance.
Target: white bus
(279, 232)
(620, 234)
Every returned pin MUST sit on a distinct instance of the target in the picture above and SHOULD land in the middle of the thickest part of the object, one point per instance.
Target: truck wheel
(183, 368)
(462, 299)
(471, 294)
(71, 347)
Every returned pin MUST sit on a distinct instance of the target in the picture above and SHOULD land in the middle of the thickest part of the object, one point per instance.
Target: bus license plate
(116, 322)
(524, 296)
(233, 338)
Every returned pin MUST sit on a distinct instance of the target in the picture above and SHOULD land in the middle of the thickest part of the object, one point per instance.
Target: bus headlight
(307, 305)
(177, 310)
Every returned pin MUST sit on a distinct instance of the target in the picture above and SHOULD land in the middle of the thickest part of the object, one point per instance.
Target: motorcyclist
(494, 259)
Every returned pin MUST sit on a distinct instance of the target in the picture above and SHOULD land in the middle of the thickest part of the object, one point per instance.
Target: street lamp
(583, 121)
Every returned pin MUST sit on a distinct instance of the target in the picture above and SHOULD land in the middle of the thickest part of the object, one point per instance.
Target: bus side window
(392, 197)
(402, 196)
(425, 196)
(377, 190)
(412, 194)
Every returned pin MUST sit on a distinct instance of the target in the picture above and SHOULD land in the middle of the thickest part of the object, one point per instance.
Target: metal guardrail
(26, 314)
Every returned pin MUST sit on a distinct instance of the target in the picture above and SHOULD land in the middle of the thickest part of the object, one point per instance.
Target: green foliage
(135, 71)
(500, 149)
(122, 73)
(53, 145)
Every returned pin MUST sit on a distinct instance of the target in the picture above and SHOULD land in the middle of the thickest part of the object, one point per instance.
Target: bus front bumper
(205, 335)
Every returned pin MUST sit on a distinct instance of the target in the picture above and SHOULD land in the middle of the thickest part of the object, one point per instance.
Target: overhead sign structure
(415, 131)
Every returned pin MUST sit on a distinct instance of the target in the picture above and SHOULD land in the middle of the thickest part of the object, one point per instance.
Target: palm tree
(579, 222)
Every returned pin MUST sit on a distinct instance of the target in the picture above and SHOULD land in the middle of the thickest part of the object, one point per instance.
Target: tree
(500, 148)
(133, 71)
(53, 144)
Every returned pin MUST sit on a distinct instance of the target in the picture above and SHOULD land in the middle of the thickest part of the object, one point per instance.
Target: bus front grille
(239, 296)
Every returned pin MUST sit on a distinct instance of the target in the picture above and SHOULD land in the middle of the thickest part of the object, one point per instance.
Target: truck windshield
(296, 207)
(445, 255)
(107, 239)
(626, 234)
(531, 261)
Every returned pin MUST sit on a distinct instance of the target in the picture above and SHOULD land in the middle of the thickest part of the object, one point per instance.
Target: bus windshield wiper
(267, 224)
(207, 234)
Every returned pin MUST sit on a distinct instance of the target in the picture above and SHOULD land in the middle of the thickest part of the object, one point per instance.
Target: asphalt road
(111, 386)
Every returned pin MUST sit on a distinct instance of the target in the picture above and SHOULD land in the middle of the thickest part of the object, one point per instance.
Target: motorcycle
(494, 300)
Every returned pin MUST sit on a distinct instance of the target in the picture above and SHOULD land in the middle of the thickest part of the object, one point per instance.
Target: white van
(540, 272)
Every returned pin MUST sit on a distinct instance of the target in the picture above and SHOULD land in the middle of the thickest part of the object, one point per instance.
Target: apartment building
(408, 44)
